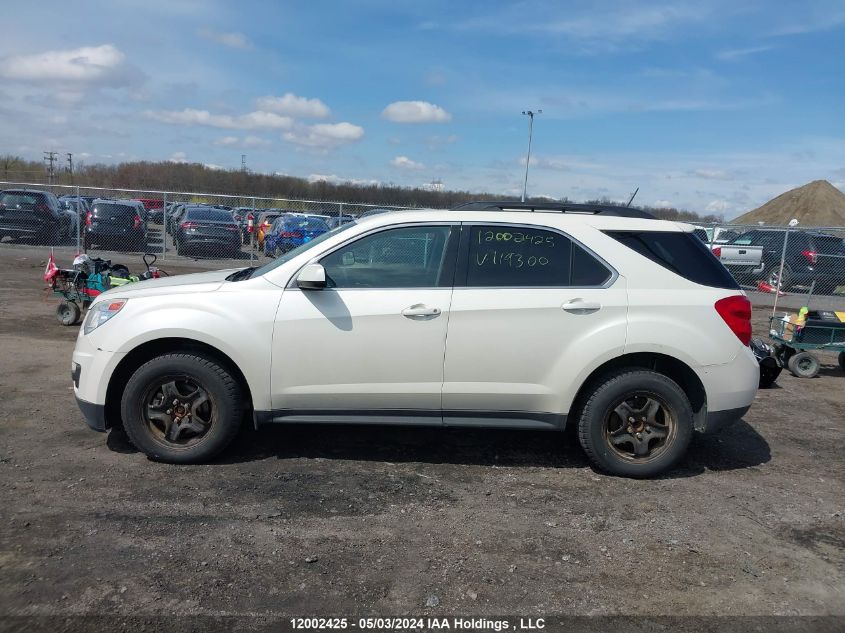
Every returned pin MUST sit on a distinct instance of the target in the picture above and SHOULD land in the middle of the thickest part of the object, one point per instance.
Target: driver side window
(407, 257)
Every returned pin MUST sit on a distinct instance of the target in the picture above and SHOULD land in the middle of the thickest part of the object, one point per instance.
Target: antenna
(633, 195)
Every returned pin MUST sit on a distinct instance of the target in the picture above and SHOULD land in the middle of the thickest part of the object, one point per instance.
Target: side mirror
(312, 277)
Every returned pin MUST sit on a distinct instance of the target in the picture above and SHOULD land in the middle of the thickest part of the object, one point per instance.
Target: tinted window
(305, 223)
(409, 257)
(829, 245)
(586, 269)
(106, 209)
(682, 253)
(21, 199)
(209, 215)
(516, 257)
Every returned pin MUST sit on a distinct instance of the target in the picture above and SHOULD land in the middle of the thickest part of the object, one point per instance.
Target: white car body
(511, 357)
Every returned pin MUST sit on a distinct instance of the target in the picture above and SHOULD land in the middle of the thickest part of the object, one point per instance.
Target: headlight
(101, 312)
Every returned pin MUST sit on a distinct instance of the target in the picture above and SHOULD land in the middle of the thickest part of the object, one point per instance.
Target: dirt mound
(817, 203)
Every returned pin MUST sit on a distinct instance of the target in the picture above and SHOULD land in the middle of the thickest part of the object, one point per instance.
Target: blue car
(290, 231)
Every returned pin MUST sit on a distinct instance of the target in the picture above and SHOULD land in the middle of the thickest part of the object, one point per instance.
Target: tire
(842, 360)
(598, 421)
(180, 250)
(771, 277)
(803, 365)
(210, 420)
(68, 313)
(768, 376)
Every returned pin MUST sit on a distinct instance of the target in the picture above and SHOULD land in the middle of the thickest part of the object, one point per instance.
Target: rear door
(528, 308)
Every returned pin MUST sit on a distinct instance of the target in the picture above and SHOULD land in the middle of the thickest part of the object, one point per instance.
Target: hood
(194, 282)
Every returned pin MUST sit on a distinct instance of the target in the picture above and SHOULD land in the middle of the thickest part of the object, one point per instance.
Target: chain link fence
(781, 267)
(211, 230)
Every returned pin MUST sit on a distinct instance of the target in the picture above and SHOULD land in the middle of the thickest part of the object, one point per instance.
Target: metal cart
(792, 342)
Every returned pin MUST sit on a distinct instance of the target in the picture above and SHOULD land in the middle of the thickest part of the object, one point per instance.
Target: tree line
(170, 176)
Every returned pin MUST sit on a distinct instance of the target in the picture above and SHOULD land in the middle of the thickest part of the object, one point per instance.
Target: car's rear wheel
(181, 408)
(774, 273)
(842, 360)
(636, 423)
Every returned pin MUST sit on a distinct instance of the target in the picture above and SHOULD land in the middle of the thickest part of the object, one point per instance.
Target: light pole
(530, 114)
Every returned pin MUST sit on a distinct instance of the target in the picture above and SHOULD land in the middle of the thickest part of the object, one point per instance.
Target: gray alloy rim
(639, 427)
(178, 411)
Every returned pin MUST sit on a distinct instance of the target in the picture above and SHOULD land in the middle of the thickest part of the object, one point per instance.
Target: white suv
(599, 317)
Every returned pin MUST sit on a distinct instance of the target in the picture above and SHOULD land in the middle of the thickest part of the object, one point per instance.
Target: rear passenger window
(682, 253)
(517, 257)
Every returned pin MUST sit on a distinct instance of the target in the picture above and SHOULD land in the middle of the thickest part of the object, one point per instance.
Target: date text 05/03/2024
(418, 624)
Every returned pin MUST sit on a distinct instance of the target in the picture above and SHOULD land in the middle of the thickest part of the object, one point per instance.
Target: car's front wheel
(635, 423)
(181, 408)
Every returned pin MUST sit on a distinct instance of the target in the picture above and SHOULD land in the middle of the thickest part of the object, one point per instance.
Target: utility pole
(70, 166)
(243, 162)
(50, 159)
(530, 114)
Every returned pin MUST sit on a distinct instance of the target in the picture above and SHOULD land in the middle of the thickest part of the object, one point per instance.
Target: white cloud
(227, 141)
(103, 65)
(712, 174)
(403, 162)
(727, 56)
(559, 163)
(213, 166)
(324, 135)
(232, 40)
(247, 141)
(178, 157)
(663, 204)
(251, 121)
(415, 112)
(717, 206)
(294, 106)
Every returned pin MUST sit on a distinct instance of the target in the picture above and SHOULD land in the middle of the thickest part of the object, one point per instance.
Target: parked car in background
(139, 206)
(811, 256)
(209, 230)
(716, 235)
(290, 231)
(264, 222)
(371, 212)
(174, 217)
(335, 221)
(116, 224)
(154, 208)
(35, 215)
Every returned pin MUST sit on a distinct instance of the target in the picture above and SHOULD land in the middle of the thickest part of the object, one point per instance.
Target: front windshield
(299, 250)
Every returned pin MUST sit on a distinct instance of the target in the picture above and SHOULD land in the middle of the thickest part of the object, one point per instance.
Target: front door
(370, 346)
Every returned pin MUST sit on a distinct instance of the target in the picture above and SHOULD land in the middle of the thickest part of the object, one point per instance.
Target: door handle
(579, 306)
(420, 310)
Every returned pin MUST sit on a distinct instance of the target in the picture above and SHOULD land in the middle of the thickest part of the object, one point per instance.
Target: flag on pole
(51, 270)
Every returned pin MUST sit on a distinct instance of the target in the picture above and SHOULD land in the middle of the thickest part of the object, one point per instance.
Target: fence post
(163, 224)
(780, 272)
(79, 224)
(340, 213)
(252, 234)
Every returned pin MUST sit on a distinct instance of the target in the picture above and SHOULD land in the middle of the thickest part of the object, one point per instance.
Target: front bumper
(94, 414)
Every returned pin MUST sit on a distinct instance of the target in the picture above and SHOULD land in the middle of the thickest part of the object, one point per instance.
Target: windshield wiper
(246, 273)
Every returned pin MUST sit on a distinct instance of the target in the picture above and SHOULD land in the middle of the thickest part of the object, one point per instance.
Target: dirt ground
(380, 521)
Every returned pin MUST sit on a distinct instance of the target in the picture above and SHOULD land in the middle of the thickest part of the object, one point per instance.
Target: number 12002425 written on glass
(510, 258)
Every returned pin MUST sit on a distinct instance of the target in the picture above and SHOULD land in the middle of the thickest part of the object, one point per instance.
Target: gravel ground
(354, 520)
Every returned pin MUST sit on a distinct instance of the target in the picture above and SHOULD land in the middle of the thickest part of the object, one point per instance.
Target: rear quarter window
(682, 253)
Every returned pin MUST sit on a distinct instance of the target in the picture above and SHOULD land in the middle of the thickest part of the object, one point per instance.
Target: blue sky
(714, 106)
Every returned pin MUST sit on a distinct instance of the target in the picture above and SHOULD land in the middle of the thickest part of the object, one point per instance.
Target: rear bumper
(94, 414)
(718, 420)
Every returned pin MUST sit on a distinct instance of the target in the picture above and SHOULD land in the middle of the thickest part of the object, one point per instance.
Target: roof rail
(559, 207)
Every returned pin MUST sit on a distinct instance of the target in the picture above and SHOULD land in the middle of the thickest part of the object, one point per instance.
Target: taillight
(736, 313)
(137, 222)
(189, 225)
(42, 208)
(811, 256)
(717, 251)
(292, 234)
(89, 218)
